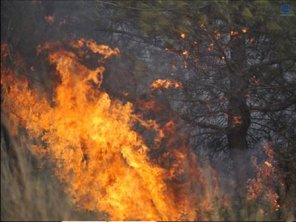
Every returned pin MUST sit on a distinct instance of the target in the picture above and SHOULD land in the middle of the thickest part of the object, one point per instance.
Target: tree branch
(274, 107)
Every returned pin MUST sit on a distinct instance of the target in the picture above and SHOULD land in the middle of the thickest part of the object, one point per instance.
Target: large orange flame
(102, 160)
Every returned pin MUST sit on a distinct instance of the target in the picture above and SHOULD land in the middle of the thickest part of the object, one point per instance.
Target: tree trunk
(238, 125)
(238, 118)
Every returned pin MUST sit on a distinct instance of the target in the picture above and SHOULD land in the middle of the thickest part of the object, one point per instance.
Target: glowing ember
(244, 30)
(185, 53)
(236, 120)
(164, 84)
(268, 164)
(49, 19)
(211, 47)
(233, 33)
(262, 188)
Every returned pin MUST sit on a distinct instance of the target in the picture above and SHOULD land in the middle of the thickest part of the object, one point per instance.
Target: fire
(164, 84)
(185, 53)
(101, 159)
(268, 164)
(49, 19)
(211, 47)
(244, 30)
(236, 120)
(233, 33)
(262, 188)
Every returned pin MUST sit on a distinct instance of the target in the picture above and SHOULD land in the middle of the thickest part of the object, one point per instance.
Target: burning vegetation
(164, 84)
(189, 117)
(90, 138)
(98, 153)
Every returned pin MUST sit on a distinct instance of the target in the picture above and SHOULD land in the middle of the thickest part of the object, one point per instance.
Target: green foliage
(247, 14)
(273, 26)
(167, 19)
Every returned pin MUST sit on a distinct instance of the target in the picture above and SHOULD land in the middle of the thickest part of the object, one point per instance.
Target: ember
(165, 84)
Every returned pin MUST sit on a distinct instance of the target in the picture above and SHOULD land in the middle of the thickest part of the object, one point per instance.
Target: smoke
(31, 184)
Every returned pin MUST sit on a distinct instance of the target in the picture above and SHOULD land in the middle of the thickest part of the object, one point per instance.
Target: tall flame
(102, 160)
